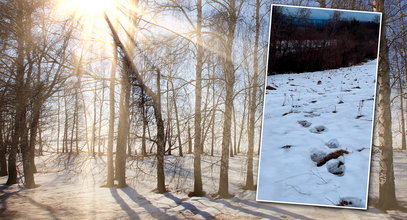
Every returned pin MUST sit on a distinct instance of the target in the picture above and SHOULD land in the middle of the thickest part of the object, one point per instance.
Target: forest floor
(70, 188)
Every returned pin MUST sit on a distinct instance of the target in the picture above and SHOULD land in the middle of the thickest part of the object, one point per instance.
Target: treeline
(299, 43)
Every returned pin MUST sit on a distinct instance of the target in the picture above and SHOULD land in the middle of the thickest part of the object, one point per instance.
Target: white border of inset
(373, 115)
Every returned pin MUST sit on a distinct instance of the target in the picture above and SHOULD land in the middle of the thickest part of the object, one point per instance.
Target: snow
(70, 189)
(318, 113)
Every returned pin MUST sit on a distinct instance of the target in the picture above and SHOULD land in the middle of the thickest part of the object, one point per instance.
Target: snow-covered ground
(308, 117)
(70, 189)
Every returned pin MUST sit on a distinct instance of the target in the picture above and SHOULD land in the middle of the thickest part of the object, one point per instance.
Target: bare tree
(228, 13)
(131, 70)
(110, 168)
(123, 126)
(252, 100)
(400, 87)
(387, 196)
(198, 146)
(19, 138)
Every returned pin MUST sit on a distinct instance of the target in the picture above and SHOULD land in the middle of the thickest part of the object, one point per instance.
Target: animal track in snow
(336, 166)
(318, 129)
(333, 143)
(304, 123)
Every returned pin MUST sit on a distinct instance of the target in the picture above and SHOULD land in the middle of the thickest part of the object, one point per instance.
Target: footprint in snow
(311, 115)
(304, 123)
(318, 129)
(317, 155)
(336, 166)
(333, 143)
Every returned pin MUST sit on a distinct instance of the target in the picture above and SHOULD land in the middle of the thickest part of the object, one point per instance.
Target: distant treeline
(301, 44)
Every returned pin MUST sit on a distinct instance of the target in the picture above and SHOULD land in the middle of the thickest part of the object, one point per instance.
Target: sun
(90, 13)
(86, 8)
(90, 17)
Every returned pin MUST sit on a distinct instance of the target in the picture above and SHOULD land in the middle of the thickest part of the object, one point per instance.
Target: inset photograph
(319, 107)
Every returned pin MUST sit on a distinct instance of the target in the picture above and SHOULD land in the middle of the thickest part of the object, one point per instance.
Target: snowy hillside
(317, 136)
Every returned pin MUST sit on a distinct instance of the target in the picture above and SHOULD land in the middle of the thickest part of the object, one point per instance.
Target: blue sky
(325, 14)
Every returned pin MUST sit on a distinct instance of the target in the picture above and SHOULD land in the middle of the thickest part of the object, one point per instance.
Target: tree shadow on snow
(188, 206)
(4, 197)
(130, 212)
(258, 205)
(47, 208)
(141, 201)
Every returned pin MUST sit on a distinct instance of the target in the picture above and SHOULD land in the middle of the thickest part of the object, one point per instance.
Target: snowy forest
(152, 109)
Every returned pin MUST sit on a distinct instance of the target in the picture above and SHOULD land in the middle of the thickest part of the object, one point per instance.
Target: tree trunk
(229, 74)
(213, 133)
(36, 112)
(12, 167)
(189, 140)
(404, 50)
(213, 112)
(160, 138)
(100, 119)
(387, 196)
(322, 3)
(168, 135)
(144, 115)
(174, 101)
(84, 116)
(40, 147)
(402, 120)
(259, 143)
(198, 148)
(77, 120)
(234, 143)
(3, 150)
(93, 143)
(59, 123)
(20, 104)
(226, 139)
(65, 139)
(75, 114)
(243, 123)
(123, 128)
(27, 158)
(110, 168)
(252, 104)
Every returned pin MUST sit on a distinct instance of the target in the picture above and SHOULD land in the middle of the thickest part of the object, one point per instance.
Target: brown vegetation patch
(345, 203)
(286, 146)
(270, 88)
(331, 156)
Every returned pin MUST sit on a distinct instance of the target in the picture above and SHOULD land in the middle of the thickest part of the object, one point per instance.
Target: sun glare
(86, 8)
(90, 14)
